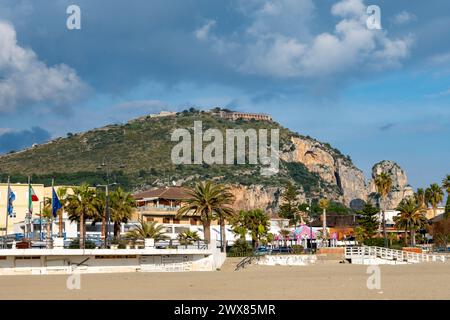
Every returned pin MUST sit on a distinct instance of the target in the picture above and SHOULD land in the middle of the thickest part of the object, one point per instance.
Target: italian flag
(32, 197)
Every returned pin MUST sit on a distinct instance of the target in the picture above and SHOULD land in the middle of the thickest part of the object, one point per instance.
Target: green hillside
(139, 153)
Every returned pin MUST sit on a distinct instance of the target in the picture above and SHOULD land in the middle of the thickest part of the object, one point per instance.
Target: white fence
(390, 254)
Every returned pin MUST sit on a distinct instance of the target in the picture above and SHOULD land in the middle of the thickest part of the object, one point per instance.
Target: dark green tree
(368, 221)
(290, 207)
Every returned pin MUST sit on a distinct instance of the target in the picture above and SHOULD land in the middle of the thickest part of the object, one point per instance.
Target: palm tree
(122, 208)
(210, 201)
(254, 221)
(324, 204)
(391, 237)
(147, 230)
(420, 198)
(383, 183)
(100, 214)
(188, 237)
(81, 206)
(446, 183)
(48, 215)
(62, 196)
(411, 217)
(434, 195)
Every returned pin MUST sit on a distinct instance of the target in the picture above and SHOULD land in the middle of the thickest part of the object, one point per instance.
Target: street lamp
(107, 164)
(310, 225)
(108, 215)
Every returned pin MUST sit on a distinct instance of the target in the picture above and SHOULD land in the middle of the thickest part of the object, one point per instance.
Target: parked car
(262, 250)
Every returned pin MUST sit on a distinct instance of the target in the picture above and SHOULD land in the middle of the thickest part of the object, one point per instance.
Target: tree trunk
(207, 231)
(413, 237)
(116, 230)
(49, 236)
(324, 225)
(60, 223)
(406, 235)
(104, 229)
(82, 231)
(223, 235)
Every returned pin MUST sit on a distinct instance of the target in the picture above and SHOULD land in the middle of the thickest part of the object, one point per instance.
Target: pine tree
(368, 221)
(290, 207)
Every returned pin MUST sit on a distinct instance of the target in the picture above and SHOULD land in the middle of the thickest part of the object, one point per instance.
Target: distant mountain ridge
(139, 152)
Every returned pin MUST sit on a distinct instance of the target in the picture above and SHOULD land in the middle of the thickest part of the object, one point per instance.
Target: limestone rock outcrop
(332, 167)
(400, 186)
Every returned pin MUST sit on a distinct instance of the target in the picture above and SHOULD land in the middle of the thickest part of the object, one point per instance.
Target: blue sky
(313, 65)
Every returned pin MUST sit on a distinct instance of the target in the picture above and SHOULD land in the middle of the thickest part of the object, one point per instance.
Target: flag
(56, 204)
(11, 198)
(32, 197)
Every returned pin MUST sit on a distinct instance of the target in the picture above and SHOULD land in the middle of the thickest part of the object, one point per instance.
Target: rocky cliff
(400, 186)
(332, 167)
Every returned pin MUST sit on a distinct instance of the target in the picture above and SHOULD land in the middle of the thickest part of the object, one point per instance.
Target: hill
(139, 156)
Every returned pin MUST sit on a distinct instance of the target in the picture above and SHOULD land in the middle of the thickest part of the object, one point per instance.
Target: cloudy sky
(313, 65)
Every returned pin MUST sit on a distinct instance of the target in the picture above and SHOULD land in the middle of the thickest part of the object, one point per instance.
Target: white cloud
(203, 32)
(348, 8)
(24, 79)
(441, 59)
(441, 94)
(278, 42)
(4, 130)
(403, 18)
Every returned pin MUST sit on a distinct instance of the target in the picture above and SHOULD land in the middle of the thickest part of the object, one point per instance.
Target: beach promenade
(322, 281)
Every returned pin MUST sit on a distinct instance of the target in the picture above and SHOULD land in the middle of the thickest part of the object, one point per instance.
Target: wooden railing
(391, 254)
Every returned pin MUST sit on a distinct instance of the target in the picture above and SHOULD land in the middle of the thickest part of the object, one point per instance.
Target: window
(193, 221)
(176, 221)
(166, 220)
(181, 229)
(149, 219)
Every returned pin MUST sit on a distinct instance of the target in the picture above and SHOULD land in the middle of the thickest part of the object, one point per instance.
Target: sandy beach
(322, 281)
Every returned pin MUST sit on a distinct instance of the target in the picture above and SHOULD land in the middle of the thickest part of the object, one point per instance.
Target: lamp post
(108, 215)
(107, 165)
(310, 225)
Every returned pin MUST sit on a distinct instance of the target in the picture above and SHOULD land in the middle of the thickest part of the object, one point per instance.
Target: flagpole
(60, 217)
(28, 222)
(51, 217)
(7, 214)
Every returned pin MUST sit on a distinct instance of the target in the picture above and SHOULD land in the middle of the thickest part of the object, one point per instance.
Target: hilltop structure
(244, 115)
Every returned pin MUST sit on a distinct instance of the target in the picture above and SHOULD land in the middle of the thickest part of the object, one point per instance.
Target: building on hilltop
(244, 115)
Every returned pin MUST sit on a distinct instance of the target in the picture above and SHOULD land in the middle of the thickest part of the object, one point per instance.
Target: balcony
(158, 208)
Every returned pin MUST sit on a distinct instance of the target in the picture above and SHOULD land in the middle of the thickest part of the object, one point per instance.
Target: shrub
(75, 244)
(297, 249)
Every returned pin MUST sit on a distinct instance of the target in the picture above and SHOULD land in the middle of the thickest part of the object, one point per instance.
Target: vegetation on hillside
(137, 155)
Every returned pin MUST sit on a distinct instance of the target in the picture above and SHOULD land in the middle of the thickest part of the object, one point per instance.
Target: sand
(322, 281)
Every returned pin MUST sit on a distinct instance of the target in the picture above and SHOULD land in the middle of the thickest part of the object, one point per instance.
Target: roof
(337, 220)
(170, 193)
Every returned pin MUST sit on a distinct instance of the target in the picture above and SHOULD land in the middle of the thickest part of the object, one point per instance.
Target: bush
(297, 249)
(241, 248)
(75, 244)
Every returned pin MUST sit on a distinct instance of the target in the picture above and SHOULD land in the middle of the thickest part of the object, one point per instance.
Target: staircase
(369, 255)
